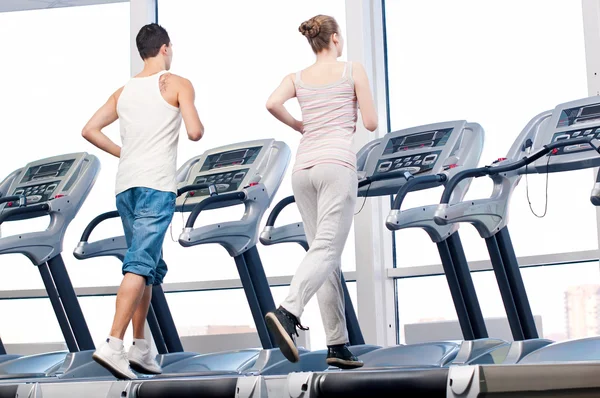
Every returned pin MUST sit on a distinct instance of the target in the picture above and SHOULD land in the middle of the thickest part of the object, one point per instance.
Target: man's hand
(106, 115)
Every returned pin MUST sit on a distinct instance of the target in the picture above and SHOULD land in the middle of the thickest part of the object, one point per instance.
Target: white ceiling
(19, 5)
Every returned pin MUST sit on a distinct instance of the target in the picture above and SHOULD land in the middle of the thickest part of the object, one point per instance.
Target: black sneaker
(283, 325)
(341, 357)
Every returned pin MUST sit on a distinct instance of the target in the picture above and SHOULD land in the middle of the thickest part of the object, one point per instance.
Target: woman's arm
(275, 103)
(364, 96)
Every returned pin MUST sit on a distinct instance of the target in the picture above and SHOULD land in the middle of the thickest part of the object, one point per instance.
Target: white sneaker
(115, 361)
(142, 360)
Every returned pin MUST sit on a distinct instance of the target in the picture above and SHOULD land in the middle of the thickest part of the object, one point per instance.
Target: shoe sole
(139, 367)
(282, 339)
(343, 364)
(108, 366)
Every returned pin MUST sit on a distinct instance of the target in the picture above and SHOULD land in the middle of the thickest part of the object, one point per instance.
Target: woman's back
(327, 98)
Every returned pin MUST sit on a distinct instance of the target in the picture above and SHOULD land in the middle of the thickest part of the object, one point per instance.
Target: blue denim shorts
(146, 214)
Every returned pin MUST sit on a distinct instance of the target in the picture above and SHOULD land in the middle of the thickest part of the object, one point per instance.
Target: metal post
(159, 340)
(257, 313)
(165, 320)
(259, 280)
(517, 287)
(504, 286)
(455, 292)
(461, 267)
(61, 315)
(355, 335)
(70, 303)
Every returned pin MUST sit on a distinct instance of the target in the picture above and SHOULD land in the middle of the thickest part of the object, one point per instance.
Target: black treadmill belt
(206, 388)
(205, 373)
(8, 391)
(382, 384)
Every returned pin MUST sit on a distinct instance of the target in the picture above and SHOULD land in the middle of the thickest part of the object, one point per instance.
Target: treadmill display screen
(47, 171)
(435, 138)
(582, 114)
(581, 133)
(245, 156)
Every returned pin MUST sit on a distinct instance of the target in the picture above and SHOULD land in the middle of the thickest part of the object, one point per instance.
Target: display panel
(245, 156)
(434, 138)
(580, 114)
(49, 170)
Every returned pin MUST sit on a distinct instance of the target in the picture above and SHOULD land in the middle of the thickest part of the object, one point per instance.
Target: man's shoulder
(177, 79)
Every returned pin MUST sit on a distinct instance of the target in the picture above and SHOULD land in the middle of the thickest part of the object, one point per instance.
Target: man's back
(150, 120)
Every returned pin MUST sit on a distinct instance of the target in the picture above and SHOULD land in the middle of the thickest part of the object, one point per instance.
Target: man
(150, 108)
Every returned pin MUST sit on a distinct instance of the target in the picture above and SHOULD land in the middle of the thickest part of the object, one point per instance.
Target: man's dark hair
(150, 39)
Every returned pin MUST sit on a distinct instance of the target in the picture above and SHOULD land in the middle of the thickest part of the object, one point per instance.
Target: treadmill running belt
(382, 384)
(8, 391)
(206, 388)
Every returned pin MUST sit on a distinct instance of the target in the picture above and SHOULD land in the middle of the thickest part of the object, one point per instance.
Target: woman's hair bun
(310, 28)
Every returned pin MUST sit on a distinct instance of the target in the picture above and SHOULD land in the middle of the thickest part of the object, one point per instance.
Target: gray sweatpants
(325, 195)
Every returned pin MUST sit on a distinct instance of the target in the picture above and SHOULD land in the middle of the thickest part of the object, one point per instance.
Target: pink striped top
(329, 114)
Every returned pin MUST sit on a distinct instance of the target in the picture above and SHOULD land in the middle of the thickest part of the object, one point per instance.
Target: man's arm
(186, 98)
(103, 117)
(275, 103)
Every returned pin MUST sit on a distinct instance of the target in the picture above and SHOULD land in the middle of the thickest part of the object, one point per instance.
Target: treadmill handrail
(387, 176)
(114, 214)
(95, 222)
(196, 187)
(233, 196)
(411, 183)
(44, 209)
(493, 170)
(15, 198)
(283, 203)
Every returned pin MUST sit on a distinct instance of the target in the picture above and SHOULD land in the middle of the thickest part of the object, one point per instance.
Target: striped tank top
(329, 114)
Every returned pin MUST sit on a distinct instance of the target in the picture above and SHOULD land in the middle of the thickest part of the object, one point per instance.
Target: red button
(58, 196)
(253, 184)
(501, 159)
(451, 166)
(555, 151)
(192, 193)
(9, 204)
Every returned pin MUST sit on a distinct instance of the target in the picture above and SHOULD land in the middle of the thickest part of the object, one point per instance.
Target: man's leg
(130, 300)
(139, 317)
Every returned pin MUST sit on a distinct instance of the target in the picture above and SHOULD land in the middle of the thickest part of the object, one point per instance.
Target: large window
(497, 63)
(564, 300)
(60, 66)
(64, 63)
(235, 60)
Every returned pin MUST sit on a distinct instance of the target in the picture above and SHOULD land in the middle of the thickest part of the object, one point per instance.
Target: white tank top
(149, 135)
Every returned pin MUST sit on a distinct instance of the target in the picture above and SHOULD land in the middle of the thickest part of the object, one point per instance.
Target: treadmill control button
(587, 132)
(407, 159)
(222, 187)
(34, 198)
(18, 192)
(239, 176)
(417, 162)
(408, 163)
(398, 160)
(429, 159)
(50, 188)
(576, 134)
(385, 166)
(417, 157)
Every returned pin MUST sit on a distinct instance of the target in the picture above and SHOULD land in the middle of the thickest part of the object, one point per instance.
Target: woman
(324, 182)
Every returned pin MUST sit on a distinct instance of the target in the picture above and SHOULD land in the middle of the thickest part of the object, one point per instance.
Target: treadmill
(246, 173)
(563, 139)
(411, 159)
(55, 187)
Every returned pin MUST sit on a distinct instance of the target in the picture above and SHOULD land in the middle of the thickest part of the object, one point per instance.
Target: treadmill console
(574, 119)
(423, 150)
(44, 180)
(230, 168)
